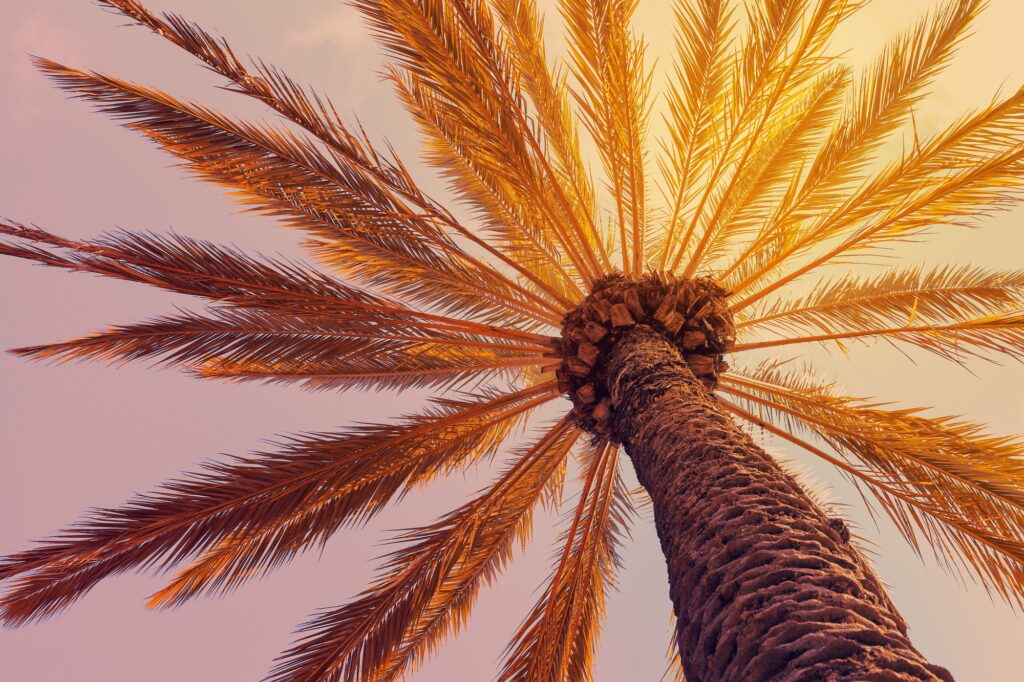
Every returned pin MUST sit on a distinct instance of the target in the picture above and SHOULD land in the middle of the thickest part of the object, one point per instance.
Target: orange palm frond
(999, 333)
(704, 33)
(279, 173)
(613, 93)
(939, 479)
(557, 640)
(313, 113)
(258, 339)
(226, 275)
(430, 584)
(464, 92)
(954, 473)
(367, 465)
(777, 159)
(554, 116)
(438, 370)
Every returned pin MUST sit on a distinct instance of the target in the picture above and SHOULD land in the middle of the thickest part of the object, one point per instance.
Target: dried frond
(429, 585)
(362, 469)
(557, 640)
(613, 93)
(941, 479)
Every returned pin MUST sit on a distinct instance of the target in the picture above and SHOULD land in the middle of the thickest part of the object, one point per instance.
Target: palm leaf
(464, 93)
(429, 585)
(940, 479)
(546, 89)
(313, 113)
(881, 102)
(973, 169)
(304, 348)
(277, 172)
(613, 93)
(558, 639)
(367, 466)
(704, 33)
(898, 298)
(227, 275)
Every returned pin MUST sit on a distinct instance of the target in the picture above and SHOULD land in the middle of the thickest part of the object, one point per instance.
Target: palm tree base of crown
(692, 313)
(764, 584)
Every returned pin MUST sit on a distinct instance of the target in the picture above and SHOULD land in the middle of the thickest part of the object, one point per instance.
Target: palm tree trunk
(764, 585)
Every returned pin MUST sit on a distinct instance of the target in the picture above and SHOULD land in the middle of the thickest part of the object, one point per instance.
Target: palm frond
(429, 585)
(558, 638)
(973, 169)
(363, 468)
(996, 334)
(941, 479)
(880, 103)
(704, 33)
(770, 72)
(613, 93)
(226, 275)
(465, 94)
(900, 296)
(315, 114)
(554, 117)
(776, 159)
(302, 348)
(277, 172)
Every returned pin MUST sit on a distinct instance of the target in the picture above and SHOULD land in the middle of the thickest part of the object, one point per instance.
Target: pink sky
(86, 435)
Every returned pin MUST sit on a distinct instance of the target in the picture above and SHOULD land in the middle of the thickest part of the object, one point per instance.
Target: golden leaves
(558, 638)
(428, 585)
(265, 507)
(941, 480)
(613, 94)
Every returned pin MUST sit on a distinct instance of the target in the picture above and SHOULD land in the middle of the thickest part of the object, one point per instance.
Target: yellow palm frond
(900, 296)
(880, 103)
(613, 93)
(554, 116)
(971, 170)
(464, 93)
(704, 33)
(771, 71)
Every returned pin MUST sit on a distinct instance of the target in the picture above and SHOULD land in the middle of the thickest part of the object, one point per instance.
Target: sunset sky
(82, 435)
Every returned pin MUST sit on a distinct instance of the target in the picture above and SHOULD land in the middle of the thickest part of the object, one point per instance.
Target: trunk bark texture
(765, 586)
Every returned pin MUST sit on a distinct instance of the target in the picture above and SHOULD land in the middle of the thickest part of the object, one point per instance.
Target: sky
(84, 435)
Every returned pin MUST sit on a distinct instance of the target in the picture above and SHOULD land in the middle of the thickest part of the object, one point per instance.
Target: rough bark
(765, 586)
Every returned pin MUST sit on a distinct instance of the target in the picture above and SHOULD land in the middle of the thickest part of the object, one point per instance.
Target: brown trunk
(765, 586)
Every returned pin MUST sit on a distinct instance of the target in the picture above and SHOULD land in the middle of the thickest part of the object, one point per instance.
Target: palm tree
(564, 288)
